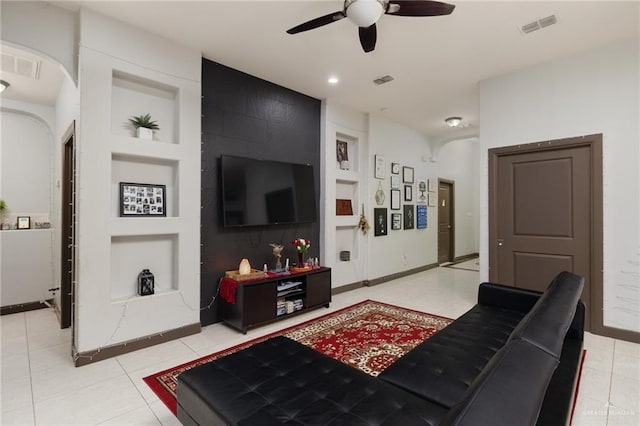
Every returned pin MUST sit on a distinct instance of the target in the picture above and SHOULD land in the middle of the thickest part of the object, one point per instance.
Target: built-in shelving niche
(347, 239)
(352, 153)
(136, 169)
(131, 254)
(132, 96)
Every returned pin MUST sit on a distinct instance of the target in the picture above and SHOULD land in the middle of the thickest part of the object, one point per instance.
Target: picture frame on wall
(433, 200)
(407, 174)
(421, 193)
(408, 216)
(421, 216)
(342, 154)
(142, 200)
(24, 222)
(342, 151)
(408, 192)
(380, 222)
(431, 184)
(396, 221)
(395, 168)
(395, 182)
(395, 199)
(379, 166)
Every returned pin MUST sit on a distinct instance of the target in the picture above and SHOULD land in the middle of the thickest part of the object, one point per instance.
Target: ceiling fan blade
(317, 22)
(418, 8)
(368, 37)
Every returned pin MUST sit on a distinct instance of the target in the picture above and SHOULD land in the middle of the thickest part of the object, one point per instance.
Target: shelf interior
(133, 96)
(131, 254)
(133, 169)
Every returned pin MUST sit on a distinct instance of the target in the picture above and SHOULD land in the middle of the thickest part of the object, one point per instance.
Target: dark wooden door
(445, 221)
(543, 218)
(68, 235)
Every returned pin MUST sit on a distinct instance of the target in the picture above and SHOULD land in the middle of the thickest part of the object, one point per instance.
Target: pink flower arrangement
(301, 244)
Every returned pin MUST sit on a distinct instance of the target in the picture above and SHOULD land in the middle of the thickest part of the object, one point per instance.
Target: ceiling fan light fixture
(364, 13)
(453, 121)
(3, 85)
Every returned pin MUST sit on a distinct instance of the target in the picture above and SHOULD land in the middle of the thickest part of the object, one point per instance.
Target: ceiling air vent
(539, 24)
(382, 80)
(21, 66)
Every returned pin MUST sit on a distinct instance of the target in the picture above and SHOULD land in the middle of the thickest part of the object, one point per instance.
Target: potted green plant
(3, 209)
(144, 126)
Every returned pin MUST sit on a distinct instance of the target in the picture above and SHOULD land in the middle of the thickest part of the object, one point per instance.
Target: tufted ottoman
(280, 381)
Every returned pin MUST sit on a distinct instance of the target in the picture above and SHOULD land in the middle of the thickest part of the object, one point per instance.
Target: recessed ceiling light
(333, 80)
(453, 121)
(3, 85)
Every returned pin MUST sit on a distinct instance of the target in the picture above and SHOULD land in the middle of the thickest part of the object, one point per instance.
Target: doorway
(545, 216)
(446, 228)
(68, 234)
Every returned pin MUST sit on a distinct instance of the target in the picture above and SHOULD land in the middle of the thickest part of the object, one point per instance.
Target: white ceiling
(437, 62)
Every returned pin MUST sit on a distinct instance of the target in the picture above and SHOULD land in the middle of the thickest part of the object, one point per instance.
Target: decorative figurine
(277, 252)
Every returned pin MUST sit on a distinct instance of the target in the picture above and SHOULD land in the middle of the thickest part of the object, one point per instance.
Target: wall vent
(21, 66)
(382, 80)
(539, 24)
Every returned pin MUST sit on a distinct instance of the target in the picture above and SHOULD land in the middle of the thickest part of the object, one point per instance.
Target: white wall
(458, 161)
(67, 110)
(106, 242)
(25, 184)
(56, 35)
(334, 237)
(593, 92)
(400, 249)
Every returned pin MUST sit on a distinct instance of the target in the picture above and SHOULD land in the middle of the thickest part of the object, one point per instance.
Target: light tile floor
(40, 386)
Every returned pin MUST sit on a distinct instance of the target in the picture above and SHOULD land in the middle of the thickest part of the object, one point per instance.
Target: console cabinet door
(259, 302)
(319, 288)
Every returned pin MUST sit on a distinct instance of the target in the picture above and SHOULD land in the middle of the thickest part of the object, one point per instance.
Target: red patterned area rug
(368, 336)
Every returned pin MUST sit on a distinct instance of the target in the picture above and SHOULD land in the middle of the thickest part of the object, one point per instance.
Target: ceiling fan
(365, 14)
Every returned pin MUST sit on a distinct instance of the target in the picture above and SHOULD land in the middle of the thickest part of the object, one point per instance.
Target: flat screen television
(260, 192)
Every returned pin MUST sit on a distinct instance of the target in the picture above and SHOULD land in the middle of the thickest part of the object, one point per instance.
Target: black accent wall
(245, 116)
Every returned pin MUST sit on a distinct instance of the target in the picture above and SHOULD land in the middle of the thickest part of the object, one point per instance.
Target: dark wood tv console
(271, 299)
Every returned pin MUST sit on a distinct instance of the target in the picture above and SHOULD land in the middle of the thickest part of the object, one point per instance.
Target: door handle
(500, 241)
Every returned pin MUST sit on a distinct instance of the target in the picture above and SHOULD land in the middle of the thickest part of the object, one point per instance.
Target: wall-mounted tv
(260, 192)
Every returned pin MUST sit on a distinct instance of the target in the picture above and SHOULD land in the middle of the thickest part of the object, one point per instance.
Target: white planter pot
(144, 133)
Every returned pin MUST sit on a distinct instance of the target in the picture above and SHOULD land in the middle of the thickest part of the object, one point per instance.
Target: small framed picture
(395, 168)
(396, 221)
(380, 225)
(433, 200)
(379, 167)
(395, 182)
(421, 195)
(407, 174)
(395, 199)
(431, 183)
(24, 222)
(342, 152)
(408, 216)
(142, 199)
(421, 216)
(408, 192)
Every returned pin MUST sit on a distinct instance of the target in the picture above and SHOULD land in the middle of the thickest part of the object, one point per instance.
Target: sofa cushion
(441, 368)
(282, 381)
(547, 322)
(509, 391)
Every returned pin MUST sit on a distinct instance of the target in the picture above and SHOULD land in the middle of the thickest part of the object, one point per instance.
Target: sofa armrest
(506, 297)
(576, 329)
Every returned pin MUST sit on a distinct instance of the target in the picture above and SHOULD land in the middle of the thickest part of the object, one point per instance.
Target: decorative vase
(144, 133)
(300, 260)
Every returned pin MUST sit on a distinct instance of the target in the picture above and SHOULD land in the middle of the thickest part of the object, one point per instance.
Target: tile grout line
(613, 358)
(33, 401)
